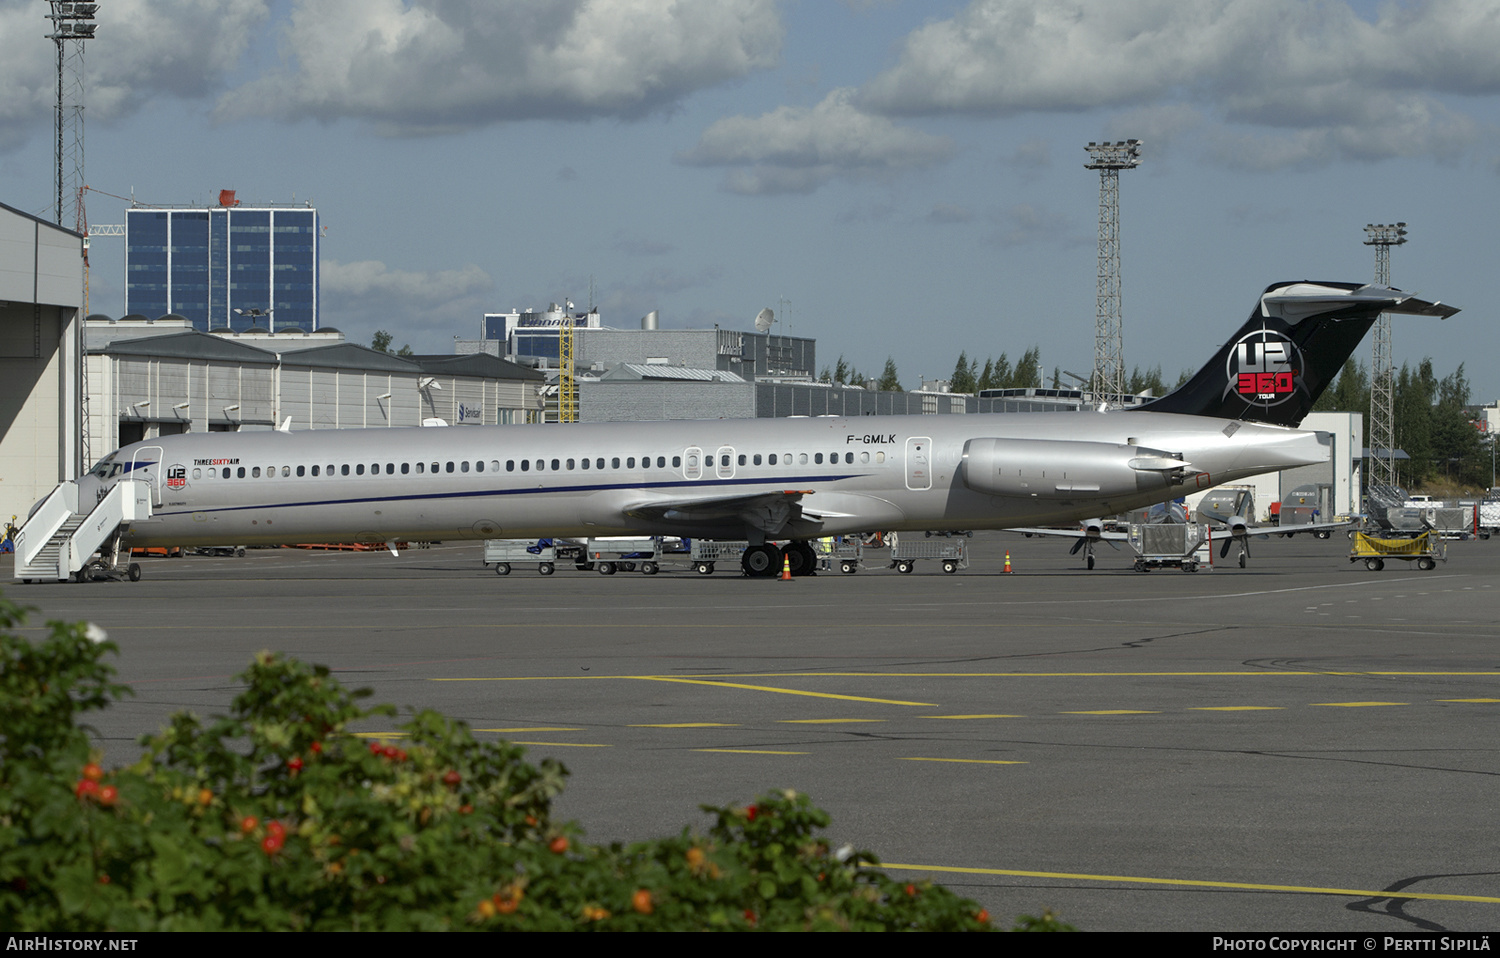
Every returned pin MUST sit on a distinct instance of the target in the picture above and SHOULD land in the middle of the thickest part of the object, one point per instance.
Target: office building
(225, 267)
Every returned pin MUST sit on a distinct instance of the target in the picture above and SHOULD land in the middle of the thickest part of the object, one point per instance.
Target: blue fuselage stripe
(485, 493)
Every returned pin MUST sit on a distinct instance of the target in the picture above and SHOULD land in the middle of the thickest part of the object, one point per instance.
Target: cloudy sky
(907, 176)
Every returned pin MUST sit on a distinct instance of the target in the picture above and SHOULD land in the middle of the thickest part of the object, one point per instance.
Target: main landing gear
(766, 561)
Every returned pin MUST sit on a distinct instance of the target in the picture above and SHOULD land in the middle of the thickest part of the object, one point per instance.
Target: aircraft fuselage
(757, 479)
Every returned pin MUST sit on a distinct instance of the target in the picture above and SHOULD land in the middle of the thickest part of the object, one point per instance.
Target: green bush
(277, 817)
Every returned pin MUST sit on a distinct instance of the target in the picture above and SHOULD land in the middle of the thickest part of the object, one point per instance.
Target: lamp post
(1109, 350)
(1383, 236)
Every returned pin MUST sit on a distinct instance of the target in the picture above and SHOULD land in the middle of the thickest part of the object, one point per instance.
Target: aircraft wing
(768, 511)
(1080, 533)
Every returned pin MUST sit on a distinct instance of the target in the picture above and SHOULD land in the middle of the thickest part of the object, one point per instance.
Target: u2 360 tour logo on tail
(1264, 368)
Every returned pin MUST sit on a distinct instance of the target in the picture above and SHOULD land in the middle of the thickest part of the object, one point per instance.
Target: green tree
(890, 380)
(1000, 373)
(381, 343)
(841, 370)
(1028, 372)
(964, 379)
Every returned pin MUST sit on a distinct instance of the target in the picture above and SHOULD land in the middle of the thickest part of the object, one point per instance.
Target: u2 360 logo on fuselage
(1263, 367)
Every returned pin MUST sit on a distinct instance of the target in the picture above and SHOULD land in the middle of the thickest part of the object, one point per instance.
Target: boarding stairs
(59, 539)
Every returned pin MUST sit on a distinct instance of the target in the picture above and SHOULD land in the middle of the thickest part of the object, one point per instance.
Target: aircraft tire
(1090, 563)
(1242, 560)
(1374, 565)
(704, 568)
(760, 561)
(502, 568)
(545, 568)
(802, 558)
(134, 572)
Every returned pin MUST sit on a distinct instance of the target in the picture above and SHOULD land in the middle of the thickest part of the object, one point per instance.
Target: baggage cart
(844, 553)
(952, 553)
(504, 553)
(706, 552)
(613, 554)
(1170, 545)
(1426, 550)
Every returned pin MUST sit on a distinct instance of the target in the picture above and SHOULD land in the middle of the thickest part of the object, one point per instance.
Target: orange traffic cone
(1007, 560)
(786, 568)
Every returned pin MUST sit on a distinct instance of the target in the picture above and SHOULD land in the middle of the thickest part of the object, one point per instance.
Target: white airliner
(765, 480)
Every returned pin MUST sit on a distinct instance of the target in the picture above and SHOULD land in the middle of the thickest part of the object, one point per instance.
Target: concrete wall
(41, 295)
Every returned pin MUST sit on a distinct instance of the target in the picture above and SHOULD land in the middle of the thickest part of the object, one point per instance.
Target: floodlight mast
(1109, 350)
(72, 24)
(1383, 236)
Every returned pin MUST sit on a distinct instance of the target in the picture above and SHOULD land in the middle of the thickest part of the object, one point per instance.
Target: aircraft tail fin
(1290, 350)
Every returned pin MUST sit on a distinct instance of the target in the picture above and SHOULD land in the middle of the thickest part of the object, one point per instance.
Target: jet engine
(1067, 469)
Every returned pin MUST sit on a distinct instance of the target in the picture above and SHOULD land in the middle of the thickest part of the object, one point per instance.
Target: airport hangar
(41, 307)
(154, 378)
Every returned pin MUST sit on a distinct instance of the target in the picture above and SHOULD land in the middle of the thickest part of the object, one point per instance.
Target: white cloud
(415, 305)
(143, 48)
(422, 66)
(1315, 68)
(798, 149)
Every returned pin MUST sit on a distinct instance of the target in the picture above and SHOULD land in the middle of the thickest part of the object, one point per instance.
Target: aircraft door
(726, 462)
(918, 463)
(692, 463)
(146, 463)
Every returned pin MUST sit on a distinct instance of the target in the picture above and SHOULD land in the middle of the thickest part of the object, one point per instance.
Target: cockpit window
(102, 468)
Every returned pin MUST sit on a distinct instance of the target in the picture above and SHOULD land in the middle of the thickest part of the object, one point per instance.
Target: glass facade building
(204, 264)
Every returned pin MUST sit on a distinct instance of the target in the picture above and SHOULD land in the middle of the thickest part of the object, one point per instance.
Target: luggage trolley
(1170, 545)
(844, 553)
(953, 553)
(706, 552)
(1426, 550)
(621, 553)
(503, 553)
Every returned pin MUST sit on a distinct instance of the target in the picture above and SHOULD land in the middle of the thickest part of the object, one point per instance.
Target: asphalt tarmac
(1302, 745)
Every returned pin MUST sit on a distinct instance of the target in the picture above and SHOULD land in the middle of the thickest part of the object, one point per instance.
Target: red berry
(276, 829)
(390, 751)
(248, 823)
(294, 763)
(452, 778)
(271, 844)
(911, 891)
(93, 772)
(316, 747)
(108, 795)
(558, 845)
(86, 788)
(376, 748)
(750, 813)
